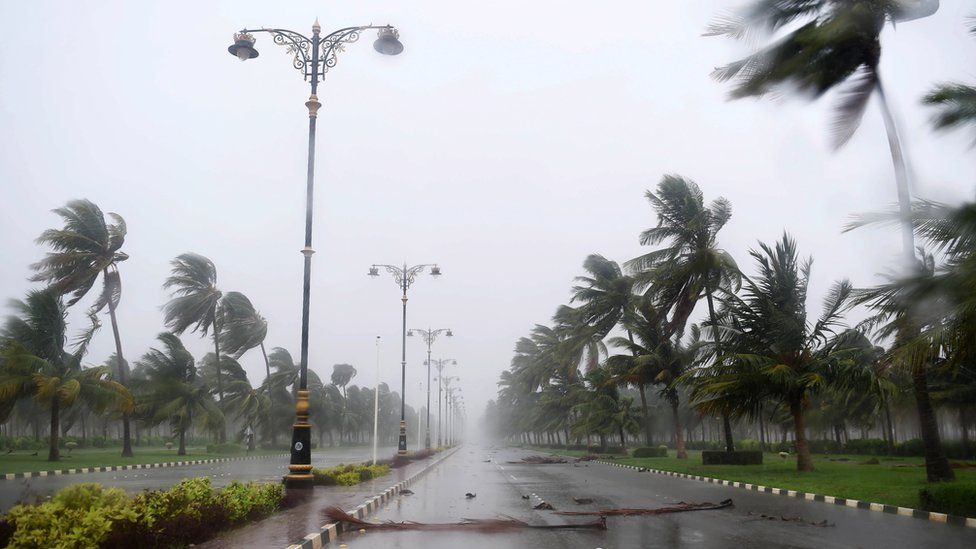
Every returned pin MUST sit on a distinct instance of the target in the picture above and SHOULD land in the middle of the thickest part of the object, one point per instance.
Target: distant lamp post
(404, 277)
(440, 364)
(430, 336)
(376, 400)
(313, 57)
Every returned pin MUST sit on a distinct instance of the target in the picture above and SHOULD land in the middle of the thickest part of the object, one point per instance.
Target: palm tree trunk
(267, 365)
(679, 439)
(964, 432)
(936, 465)
(648, 436)
(726, 422)
(623, 439)
(222, 433)
(182, 449)
(804, 462)
(54, 453)
(123, 376)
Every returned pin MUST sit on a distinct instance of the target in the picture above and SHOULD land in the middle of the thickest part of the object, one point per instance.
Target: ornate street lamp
(404, 277)
(440, 364)
(313, 57)
(429, 337)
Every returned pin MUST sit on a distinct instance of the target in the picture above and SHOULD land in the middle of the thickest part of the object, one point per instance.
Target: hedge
(743, 457)
(348, 475)
(651, 452)
(951, 498)
(90, 516)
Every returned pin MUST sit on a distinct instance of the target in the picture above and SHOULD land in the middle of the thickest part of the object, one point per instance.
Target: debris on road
(469, 495)
(583, 501)
(406, 492)
(477, 525)
(545, 506)
(822, 524)
(525, 496)
(540, 460)
(679, 508)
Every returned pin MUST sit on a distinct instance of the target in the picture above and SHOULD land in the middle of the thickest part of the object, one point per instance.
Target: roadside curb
(331, 531)
(857, 504)
(80, 470)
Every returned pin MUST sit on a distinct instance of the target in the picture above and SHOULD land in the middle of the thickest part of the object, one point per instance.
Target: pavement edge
(857, 504)
(79, 470)
(331, 531)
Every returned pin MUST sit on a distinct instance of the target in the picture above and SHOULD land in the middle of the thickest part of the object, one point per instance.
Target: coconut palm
(691, 265)
(342, 374)
(174, 392)
(36, 364)
(825, 45)
(776, 353)
(251, 405)
(195, 301)
(242, 328)
(955, 103)
(85, 249)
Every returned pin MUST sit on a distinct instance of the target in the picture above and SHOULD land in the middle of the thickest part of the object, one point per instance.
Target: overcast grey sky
(506, 143)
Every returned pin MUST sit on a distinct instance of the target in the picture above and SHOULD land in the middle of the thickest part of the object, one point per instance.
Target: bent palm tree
(956, 103)
(36, 365)
(84, 249)
(195, 299)
(242, 328)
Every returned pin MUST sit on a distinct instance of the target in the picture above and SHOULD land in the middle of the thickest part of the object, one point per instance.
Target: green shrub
(348, 475)
(250, 501)
(744, 457)
(79, 516)
(951, 498)
(349, 478)
(651, 452)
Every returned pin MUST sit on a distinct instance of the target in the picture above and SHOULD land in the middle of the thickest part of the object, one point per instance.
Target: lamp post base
(402, 441)
(300, 468)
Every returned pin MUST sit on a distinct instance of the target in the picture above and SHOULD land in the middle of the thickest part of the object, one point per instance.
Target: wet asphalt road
(440, 497)
(269, 469)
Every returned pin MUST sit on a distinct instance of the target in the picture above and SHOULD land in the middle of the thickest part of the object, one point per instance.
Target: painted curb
(331, 531)
(857, 504)
(80, 470)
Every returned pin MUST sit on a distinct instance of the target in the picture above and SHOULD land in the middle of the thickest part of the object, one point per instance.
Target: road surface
(499, 487)
(270, 469)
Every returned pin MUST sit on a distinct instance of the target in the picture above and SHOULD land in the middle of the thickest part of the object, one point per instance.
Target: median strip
(857, 504)
(80, 470)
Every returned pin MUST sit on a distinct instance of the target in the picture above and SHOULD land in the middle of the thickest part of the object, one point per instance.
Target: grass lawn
(21, 461)
(886, 482)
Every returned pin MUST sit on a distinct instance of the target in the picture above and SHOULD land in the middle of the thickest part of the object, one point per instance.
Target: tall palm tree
(606, 295)
(195, 301)
(837, 46)
(776, 352)
(175, 393)
(691, 265)
(36, 364)
(342, 374)
(242, 328)
(955, 102)
(252, 405)
(85, 249)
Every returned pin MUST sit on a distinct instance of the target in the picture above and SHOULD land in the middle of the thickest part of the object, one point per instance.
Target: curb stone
(331, 531)
(80, 470)
(857, 504)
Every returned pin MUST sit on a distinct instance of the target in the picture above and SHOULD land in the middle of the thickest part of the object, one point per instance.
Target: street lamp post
(448, 395)
(313, 57)
(404, 277)
(440, 364)
(376, 400)
(429, 336)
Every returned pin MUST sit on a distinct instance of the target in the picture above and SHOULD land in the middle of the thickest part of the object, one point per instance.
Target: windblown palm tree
(36, 364)
(825, 45)
(691, 265)
(175, 393)
(251, 405)
(195, 301)
(242, 328)
(84, 249)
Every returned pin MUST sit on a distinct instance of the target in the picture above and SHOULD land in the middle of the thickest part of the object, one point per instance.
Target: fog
(506, 143)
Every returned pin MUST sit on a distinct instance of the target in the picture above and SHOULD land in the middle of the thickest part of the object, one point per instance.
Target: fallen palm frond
(540, 460)
(505, 524)
(822, 523)
(679, 508)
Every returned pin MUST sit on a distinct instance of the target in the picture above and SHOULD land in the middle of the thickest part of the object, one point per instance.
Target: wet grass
(22, 461)
(893, 481)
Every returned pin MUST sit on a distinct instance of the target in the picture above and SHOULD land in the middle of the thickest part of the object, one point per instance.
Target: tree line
(759, 357)
(43, 374)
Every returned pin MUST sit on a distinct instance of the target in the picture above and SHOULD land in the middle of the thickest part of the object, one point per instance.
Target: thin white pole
(376, 400)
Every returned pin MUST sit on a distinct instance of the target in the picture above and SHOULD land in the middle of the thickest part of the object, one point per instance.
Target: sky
(509, 140)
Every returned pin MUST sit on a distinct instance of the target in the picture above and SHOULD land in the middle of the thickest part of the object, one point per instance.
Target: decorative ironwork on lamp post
(404, 277)
(429, 337)
(313, 57)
